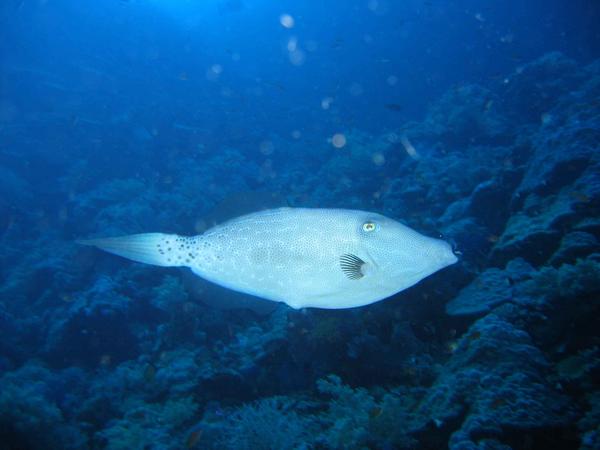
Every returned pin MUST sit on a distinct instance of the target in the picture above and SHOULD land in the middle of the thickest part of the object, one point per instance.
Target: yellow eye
(369, 226)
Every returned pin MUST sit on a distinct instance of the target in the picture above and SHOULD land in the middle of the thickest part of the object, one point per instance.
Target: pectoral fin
(352, 266)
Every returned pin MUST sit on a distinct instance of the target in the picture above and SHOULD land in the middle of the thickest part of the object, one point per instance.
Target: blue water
(476, 122)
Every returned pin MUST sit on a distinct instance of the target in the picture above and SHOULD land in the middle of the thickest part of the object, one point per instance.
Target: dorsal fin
(351, 266)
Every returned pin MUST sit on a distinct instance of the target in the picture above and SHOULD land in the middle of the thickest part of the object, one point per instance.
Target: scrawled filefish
(320, 258)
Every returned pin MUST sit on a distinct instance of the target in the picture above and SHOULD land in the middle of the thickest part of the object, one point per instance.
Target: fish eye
(369, 226)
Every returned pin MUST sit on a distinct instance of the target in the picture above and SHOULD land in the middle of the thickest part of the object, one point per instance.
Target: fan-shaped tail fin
(158, 249)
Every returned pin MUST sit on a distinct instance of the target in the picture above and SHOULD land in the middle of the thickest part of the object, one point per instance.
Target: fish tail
(158, 249)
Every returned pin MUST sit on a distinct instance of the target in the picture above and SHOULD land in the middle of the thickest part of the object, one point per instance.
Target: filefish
(304, 257)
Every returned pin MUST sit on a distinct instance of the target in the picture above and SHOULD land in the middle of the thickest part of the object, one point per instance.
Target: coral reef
(499, 351)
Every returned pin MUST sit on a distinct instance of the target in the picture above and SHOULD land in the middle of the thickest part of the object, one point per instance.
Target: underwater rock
(31, 414)
(465, 115)
(469, 238)
(495, 191)
(269, 423)
(491, 288)
(92, 330)
(574, 245)
(149, 425)
(168, 294)
(533, 233)
(494, 384)
(560, 185)
(440, 181)
(15, 194)
(588, 424)
(509, 173)
(534, 88)
(569, 282)
(564, 155)
(8, 333)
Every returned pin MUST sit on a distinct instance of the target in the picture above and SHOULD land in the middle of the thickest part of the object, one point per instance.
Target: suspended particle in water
(292, 44)
(326, 102)
(286, 21)
(393, 138)
(214, 71)
(338, 140)
(378, 159)
(409, 148)
(266, 147)
(546, 118)
(297, 57)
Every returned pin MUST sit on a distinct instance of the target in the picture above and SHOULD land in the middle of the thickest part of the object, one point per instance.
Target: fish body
(321, 258)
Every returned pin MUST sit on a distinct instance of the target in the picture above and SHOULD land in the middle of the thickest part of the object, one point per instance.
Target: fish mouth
(454, 254)
(450, 256)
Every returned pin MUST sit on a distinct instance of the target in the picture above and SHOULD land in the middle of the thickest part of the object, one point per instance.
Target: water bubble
(286, 21)
(292, 44)
(393, 138)
(266, 147)
(297, 57)
(378, 159)
(392, 80)
(296, 134)
(213, 72)
(338, 140)
(409, 148)
(546, 118)
(326, 102)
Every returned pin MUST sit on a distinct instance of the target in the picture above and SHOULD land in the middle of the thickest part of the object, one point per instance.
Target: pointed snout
(446, 255)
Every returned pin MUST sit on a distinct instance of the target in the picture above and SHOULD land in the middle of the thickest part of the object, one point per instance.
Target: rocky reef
(499, 351)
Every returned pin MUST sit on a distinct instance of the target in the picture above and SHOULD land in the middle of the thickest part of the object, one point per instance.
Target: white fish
(320, 258)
